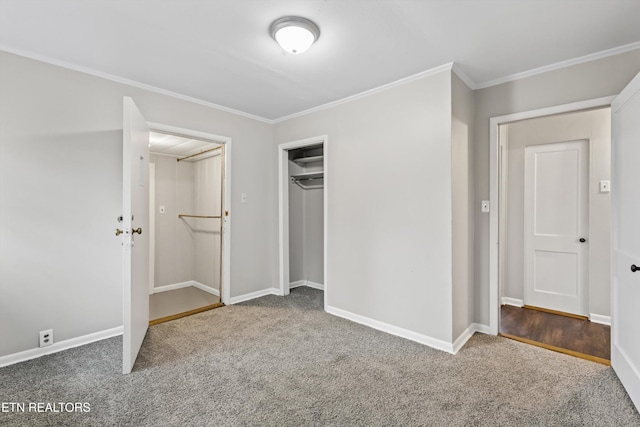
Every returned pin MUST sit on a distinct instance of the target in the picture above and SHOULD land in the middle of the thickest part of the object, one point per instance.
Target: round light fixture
(294, 34)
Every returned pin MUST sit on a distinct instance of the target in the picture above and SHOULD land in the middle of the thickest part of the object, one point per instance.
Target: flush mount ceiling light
(294, 34)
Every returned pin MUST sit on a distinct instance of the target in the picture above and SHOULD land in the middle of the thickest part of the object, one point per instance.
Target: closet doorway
(188, 225)
(303, 195)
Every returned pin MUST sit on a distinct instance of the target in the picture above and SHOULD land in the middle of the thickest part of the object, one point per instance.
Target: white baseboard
(512, 301)
(483, 329)
(297, 283)
(253, 295)
(172, 287)
(468, 333)
(599, 318)
(186, 284)
(206, 288)
(307, 283)
(463, 338)
(315, 285)
(393, 330)
(59, 346)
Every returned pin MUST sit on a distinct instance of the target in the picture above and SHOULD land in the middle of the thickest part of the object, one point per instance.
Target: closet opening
(303, 214)
(187, 221)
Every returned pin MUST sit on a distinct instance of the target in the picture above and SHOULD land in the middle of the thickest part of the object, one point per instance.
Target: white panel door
(555, 225)
(135, 223)
(625, 195)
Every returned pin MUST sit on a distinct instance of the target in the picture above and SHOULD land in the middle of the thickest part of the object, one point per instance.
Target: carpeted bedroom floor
(282, 361)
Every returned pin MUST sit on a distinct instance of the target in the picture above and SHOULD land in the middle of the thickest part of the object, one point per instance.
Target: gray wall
(462, 191)
(207, 187)
(61, 191)
(595, 126)
(595, 79)
(389, 190)
(296, 227)
(174, 249)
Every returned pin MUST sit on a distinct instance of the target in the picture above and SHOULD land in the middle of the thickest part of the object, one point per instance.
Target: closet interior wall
(306, 222)
(187, 249)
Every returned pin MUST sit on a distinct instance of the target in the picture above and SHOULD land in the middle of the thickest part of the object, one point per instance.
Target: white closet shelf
(311, 159)
(307, 175)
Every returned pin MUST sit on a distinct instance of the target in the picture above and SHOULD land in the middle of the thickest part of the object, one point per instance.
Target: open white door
(135, 228)
(625, 194)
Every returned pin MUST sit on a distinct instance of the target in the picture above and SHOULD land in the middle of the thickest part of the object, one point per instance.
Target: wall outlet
(46, 338)
(484, 207)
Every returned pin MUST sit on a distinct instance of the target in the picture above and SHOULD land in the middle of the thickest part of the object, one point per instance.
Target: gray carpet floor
(282, 361)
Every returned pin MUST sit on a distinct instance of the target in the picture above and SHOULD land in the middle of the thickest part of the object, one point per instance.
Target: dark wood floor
(578, 337)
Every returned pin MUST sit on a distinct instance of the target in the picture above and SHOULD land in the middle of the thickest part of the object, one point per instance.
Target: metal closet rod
(200, 153)
(198, 216)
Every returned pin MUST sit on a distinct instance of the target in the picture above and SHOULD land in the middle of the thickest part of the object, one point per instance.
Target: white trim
(467, 334)
(172, 287)
(226, 232)
(283, 207)
(451, 66)
(206, 288)
(626, 95)
(297, 284)
(59, 346)
(307, 283)
(186, 284)
(152, 227)
(512, 301)
(314, 285)
(483, 329)
(559, 65)
(133, 83)
(462, 339)
(254, 295)
(391, 329)
(494, 190)
(464, 77)
(369, 92)
(599, 318)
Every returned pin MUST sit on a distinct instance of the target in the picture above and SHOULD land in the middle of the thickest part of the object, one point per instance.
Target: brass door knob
(119, 232)
(136, 230)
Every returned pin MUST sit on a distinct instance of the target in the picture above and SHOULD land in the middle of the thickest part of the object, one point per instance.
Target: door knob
(136, 230)
(634, 268)
(118, 232)
(582, 240)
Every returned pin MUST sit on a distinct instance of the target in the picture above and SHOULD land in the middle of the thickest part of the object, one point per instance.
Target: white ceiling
(178, 146)
(220, 51)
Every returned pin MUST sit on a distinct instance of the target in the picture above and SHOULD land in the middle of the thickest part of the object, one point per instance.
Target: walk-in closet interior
(306, 217)
(186, 214)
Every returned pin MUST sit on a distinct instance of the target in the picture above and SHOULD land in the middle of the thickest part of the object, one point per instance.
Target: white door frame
(496, 193)
(283, 207)
(226, 203)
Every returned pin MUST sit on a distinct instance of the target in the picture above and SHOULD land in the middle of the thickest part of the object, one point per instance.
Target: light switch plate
(485, 206)
(605, 186)
(161, 209)
(243, 197)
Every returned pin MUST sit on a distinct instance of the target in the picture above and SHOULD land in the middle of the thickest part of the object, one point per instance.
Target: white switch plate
(243, 197)
(161, 209)
(605, 186)
(485, 206)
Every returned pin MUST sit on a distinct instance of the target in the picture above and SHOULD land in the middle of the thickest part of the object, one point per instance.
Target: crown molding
(369, 92)
(559, 65)
(121, 80)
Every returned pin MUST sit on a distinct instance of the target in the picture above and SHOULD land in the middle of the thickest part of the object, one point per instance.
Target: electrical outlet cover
(46, 338)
